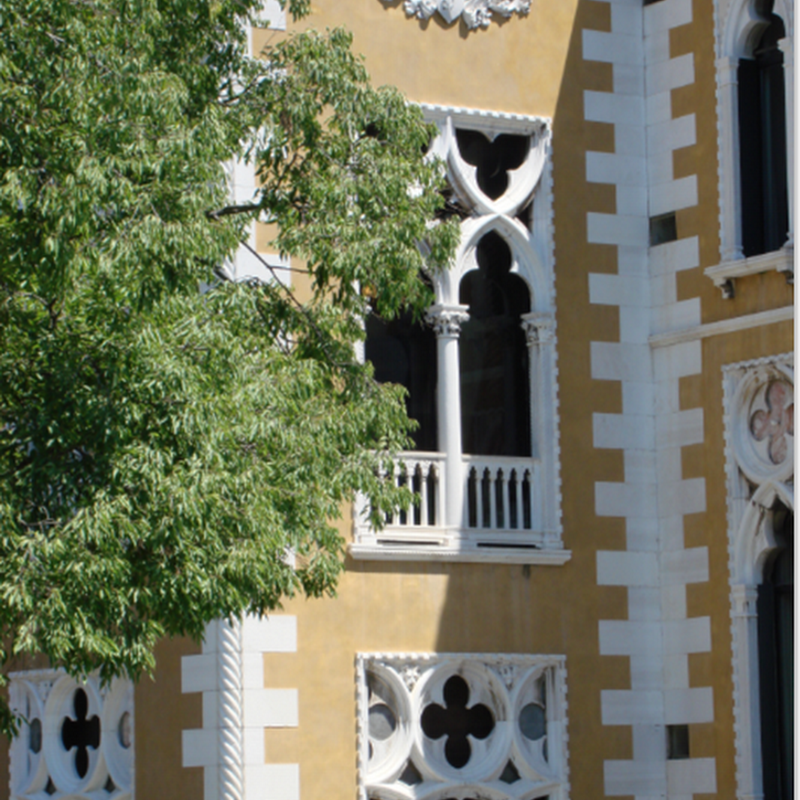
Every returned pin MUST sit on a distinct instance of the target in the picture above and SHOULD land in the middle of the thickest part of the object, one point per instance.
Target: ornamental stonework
(475, 13)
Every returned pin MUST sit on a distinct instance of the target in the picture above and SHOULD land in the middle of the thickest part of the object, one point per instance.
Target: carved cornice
(475, 13)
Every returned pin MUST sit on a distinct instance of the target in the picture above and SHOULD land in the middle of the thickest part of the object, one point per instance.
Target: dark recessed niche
(650, 2)
(677, 741)
(510, 773)
(663, 228)
(410, 775)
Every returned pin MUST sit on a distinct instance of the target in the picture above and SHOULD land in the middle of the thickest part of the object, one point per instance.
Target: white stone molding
(532, 481)
(475, 13)
(738, 24)
(41, 765)
(521, 753)
(237, 707)
(755, 486)
(724, 275)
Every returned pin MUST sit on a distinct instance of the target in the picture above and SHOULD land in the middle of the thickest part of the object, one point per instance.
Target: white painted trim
(482, 555)
(723, 326)
(725, 273)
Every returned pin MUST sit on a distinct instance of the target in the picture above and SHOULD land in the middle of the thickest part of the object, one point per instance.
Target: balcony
(496, 517)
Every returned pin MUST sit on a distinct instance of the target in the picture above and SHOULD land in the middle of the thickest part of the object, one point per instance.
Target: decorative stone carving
(470, 721)
(475, 13)
(446, 320)
(763, 423)
(75, 739)
(539, 328)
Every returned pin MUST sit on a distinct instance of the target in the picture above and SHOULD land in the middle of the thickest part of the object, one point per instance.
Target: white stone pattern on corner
(237, 707)
(445, 528)
(76, 739)
(758, 411)
(652, 428)
(475, 13)
(411, 744)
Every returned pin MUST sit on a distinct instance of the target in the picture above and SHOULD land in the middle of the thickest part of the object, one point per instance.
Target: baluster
(423, 492)
(479, 476)
(493, 510)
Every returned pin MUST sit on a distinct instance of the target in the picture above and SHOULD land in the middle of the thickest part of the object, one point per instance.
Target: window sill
(723, 275)
(486, 551)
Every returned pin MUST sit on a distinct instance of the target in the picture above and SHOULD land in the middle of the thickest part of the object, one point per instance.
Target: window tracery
(75, 739)
(462, 726)
(486, 469)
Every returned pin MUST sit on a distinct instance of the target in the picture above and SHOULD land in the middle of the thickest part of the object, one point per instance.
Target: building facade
(593, 597)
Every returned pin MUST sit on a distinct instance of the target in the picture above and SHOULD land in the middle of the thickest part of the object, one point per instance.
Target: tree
(162, 450)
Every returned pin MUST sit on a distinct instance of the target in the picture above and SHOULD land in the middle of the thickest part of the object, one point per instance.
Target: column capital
(446, 320)
(539, 327)
(744, 600)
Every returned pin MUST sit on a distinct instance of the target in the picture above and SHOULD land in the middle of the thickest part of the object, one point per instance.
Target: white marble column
(730, 197)
(746, 686)
(446, 321)
(540, 335)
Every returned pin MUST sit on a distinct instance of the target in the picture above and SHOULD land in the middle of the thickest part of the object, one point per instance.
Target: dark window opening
(775, 664)
(663, 228)
(81, 733)
(404, 351)
(677, 741)
(495, 390)
(762, 144)
(493, 159)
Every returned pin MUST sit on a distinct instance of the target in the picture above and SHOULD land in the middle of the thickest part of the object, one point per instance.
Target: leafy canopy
(162, 450)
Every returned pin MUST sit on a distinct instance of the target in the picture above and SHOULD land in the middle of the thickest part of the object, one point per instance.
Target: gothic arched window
(495, 388)
(776, 670)
(762, 137)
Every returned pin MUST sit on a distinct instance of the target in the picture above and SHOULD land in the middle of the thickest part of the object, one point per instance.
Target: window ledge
(462, 552)
(725, 274)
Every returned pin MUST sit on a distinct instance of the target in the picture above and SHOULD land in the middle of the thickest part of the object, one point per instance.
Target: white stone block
(680, 429)
(210, 703)
(685, 566)
(253, 741)
(199, 748)
(663, 289)
(692, 776)
(626, 18)
(671, 530)
(648, 743)
(675, 256)
(613, 361)
(274, 14)
(618, 290)
(666, 75)
(620, 637)
(644, 602)
(252, 670)
(687, 636)
(631, 200)
(639, 466)
(669, 464)
(270, 708)
(634, 324)
(272, 781)
(628, 79)
(211, 783)
(688, 706)
(623, 500)
(656, 47)
(673, 602)
(637, 398)
(676, 133)
(678, 360)
(675, 670)
(630, 139)
(634, 778)
(658, 108)
(617, 108)
(639, 707)
(666, 197)
(660, 169)
(615, 168)
(667, 396)
(621, 568)
(273, 634)
(620, 431)
(641, 534)
(633, 260)
(647, 672)
(612, 48)
(687, 495)
(198, 673)
(677, 316)
(616, 229)
(665, 15)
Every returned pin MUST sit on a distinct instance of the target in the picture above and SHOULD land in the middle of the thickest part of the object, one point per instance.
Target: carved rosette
(763, 424)
(475, 13)
(447, 320)
(539, 328)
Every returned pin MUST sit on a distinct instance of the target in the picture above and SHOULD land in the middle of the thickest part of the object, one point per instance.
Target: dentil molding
(475, 13)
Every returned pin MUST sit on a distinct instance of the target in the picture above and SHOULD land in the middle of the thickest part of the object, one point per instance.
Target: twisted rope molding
(231, 735)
